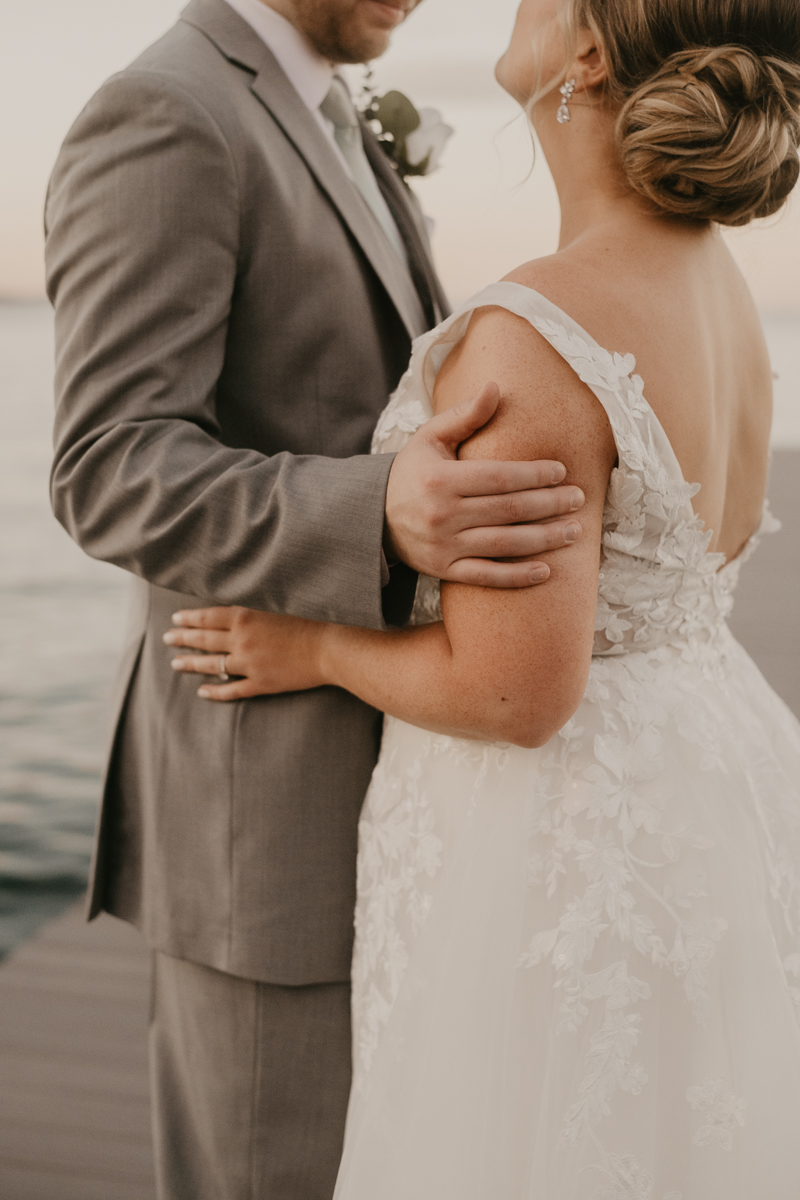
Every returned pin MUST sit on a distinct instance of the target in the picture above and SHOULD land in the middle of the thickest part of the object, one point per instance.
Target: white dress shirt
(308, 72)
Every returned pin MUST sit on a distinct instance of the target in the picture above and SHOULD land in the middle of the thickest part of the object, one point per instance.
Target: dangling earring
(564, 115)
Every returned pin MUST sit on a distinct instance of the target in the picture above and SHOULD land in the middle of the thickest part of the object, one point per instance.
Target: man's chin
(360, 36)
(363, 48)
(379, 19)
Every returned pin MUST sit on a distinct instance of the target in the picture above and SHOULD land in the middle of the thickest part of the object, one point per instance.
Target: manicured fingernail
(572, 533)
(204, 693)
(559, 471)
(577, 499)
(178, 664)
(177, 618)
(169, 638)
(539, 574)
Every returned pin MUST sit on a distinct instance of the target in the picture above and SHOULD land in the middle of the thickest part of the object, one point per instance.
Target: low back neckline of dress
(504, 291)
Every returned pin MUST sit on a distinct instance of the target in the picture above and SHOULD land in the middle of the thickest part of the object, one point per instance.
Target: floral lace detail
(398, 849)
(658, 583)
(791, 969)
(626, 1179)
(403, 415)
(619, 903)
(605, 822)
(721, 1110)
(656, 579)
(399, 856)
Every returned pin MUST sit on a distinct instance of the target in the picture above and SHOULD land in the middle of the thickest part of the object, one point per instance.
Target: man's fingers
(457, 424)
(482, 572)
(517, 541)
(205, 618)
(513, 508)
(486, 477)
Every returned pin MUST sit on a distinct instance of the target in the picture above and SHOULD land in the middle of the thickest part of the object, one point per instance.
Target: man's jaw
(351, 31)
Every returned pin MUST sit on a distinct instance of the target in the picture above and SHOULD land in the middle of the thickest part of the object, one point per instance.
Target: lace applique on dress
(721, 1112)
(678, 760)
(658, 583)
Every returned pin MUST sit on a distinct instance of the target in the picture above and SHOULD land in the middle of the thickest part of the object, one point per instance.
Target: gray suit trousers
(250, 1084)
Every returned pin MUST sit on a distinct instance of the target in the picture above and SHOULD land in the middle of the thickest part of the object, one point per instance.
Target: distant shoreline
(767, 314)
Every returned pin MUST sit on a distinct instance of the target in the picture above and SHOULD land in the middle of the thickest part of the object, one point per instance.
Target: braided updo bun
(710, 93)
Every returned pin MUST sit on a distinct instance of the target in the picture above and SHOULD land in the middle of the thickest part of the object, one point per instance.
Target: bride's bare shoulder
(543, 400)
(502, 346)
(573, 280)
(499, 343)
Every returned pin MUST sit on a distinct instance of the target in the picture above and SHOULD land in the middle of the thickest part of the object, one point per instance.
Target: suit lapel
(279, 97)
(241, 44)
(412, 230)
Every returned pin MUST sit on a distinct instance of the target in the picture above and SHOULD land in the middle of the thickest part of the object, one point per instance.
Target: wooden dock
(74, 1121)
(766, 617)
(74, 1112)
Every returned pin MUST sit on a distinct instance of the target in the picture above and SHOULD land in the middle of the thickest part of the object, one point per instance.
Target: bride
(577, 962)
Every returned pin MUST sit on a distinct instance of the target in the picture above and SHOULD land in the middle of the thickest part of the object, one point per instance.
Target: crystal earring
(564, 115)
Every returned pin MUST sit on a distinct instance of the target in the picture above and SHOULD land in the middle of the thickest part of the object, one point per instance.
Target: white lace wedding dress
(577, 969)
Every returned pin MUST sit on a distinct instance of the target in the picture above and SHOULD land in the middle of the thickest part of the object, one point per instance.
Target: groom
(237, 275)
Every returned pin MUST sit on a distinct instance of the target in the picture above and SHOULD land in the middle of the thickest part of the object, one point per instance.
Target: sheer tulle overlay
(577, 969)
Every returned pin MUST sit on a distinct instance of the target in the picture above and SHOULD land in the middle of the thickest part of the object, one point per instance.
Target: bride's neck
(592, 190)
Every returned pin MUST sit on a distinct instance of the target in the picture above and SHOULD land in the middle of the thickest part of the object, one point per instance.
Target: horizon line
(41, 298)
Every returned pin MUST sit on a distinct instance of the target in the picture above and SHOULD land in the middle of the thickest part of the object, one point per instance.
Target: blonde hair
(710, 100)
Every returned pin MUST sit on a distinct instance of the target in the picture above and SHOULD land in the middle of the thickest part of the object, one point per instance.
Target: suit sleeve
(142, 243)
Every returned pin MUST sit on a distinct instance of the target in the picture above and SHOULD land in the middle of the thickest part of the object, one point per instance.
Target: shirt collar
(309, 73)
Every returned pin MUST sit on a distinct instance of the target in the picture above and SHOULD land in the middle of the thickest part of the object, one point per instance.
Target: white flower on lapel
(412, 138)
(425, 145)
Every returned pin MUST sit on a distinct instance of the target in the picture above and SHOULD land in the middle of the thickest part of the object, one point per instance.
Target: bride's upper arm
(531, 647)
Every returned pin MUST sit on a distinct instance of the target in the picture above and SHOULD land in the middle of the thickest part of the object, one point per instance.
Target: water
(61, 617)
(61, 622)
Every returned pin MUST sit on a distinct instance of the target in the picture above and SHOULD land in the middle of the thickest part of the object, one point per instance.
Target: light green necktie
(338, 108)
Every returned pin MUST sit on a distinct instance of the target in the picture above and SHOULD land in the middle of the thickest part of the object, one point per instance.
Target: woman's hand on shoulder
(268, 653)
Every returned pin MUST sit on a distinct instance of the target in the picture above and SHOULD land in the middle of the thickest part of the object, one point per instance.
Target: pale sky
(489, 217)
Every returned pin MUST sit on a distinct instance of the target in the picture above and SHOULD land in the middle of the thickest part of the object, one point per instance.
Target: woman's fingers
(205, 664)
(214, 641)
(242, 689)
(205, 618)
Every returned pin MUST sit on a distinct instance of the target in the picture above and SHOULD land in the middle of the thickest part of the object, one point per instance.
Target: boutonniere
(412, 138)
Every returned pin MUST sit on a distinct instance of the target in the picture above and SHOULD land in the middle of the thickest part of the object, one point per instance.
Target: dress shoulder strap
(641, 440)
(642, 444)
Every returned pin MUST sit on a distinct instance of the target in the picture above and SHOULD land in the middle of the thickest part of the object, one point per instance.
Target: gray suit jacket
(230, 321)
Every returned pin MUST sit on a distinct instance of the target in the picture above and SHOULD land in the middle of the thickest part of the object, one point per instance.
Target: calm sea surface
(61, 622)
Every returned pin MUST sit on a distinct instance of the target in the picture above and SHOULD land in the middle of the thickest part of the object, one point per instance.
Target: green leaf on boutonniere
(397, 115)
(412, 139)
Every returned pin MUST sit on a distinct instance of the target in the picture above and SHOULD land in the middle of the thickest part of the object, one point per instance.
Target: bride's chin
(505, 77)
(501, 75)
